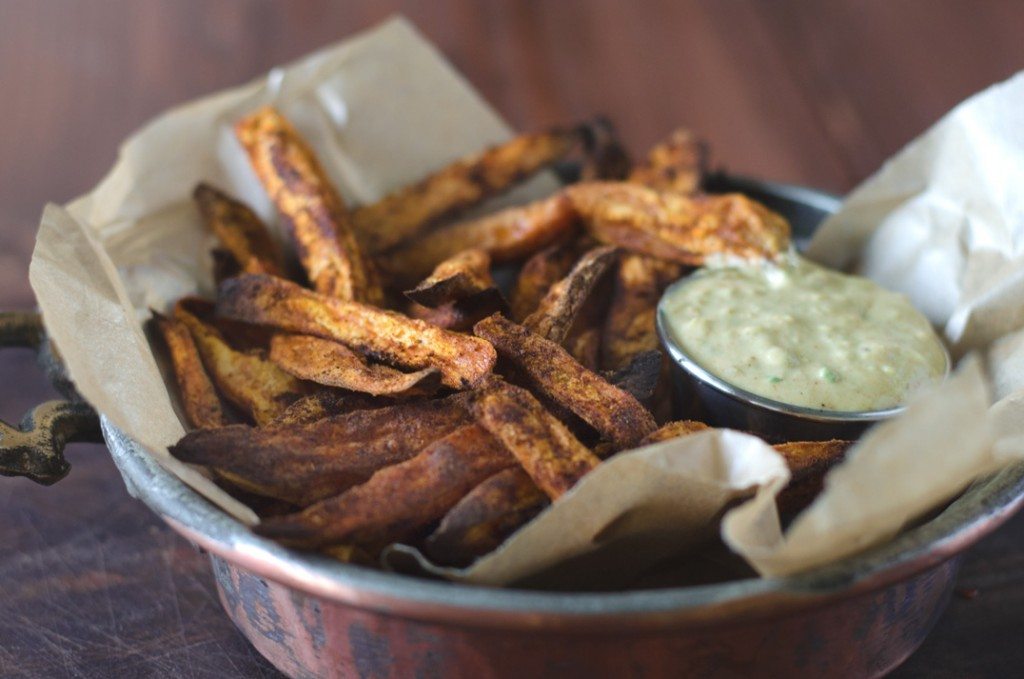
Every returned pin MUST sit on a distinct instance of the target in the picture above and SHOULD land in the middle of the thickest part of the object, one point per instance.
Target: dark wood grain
(818, 93)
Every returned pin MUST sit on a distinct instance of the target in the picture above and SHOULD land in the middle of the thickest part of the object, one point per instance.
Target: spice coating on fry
(199, 398)
(240, 231)
(538, 274)
(458, 186)
(464, 274)
(556, 312)
(552, 371)
(675, 164)
(313, 210)
(462, 360)
(629, 328)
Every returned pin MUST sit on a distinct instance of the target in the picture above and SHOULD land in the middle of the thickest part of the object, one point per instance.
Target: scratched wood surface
(819, 93)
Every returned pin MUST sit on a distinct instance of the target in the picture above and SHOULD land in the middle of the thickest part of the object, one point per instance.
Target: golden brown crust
(506, 235)
(313, 210)
(399, 500)
(485, 517)
(240, 231)
(677, 163)
(248, 380)
(386, 335)
(809, 462)
(545, 448)
(458, 186)
(462, 275)
(306, 463)
(614, 413)
(557, 311)
(683, 229)
(326, 403)
(202, 405)
(629, 327)
(335, 365)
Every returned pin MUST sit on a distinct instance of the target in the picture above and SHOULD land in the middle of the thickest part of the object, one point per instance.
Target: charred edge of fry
(240, 336)
(327, 403)
(240, 232)
(507, 235)
(462, 315)
(383, 335)
(485, 518)
(459, 186)
(225, 265)
(316, 216)
(809, 462)
(677, 163)
(306, 463)
(641, 377)
(558, 309)
(199, 398)
(546, 449)
(335, 365)
(399, 500)
(463, 275)
(538, 274)
(552, 371)
(605, 158)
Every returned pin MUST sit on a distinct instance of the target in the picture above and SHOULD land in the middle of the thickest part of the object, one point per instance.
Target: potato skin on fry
(629, 328)
(552, 371)
(545, 448)
(326, 403)
(538, 274)
(557, 311)
(458, 186)
(683, 229)
(312, 208)
(462, 275)
(335, 365)
(397, 500)
(462, 360)
(675, 164)
(248, 380)
(306, 463)
(485, 518)
(199, 398)
(240, 231)
(506, 236)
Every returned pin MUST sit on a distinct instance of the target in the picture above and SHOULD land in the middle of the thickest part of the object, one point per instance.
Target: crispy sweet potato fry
(557, 311)
(676, 164)
(199, 398)
(313, 210)
(671, 226)
(454, 188)
(462, 275)
(485, 517)
(506, 235)
(326, 403)
(463, 314)
(640, 377)
(537, 276)
(673, 430)
(611, 411)
(249, 381)
(629, 327)
(809, 462)
(549, 453)
(398, 500)
(240, 231)
(335, 365)
(605, 157)
(306, 463)
(387, 335)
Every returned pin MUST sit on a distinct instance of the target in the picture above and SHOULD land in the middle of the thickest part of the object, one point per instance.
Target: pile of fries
(387, 390)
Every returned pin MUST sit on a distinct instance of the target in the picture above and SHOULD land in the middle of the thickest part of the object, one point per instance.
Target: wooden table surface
(817, 93)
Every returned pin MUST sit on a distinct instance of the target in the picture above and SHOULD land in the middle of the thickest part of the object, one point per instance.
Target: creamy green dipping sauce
(805, 335)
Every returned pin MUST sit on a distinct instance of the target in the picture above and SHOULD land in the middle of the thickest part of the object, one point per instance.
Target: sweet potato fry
(584, 345)
(683, 229)
(538, 274)
(506, 235)
(326, 403)
(224, 265)
(393, 338)
(463, 275)
(611, 411)
(485, 517)
(809, 462)
(673, 430)
(335, 365)
(313, 210)
(676, 164)
(557, 311)
(305, 463)
(240, 231)
(549, 453)
(454, 188)
(398, 500)
(640, 377)
(248, 380)
(629, 327)
(605, 157)
(203, 408)
(462, 314)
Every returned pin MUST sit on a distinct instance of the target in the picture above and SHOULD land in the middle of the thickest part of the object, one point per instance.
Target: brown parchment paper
(382, 109)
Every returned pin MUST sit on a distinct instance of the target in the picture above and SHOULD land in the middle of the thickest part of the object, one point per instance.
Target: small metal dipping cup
(701, 395)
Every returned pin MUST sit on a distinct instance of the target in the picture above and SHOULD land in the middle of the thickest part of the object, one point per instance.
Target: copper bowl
(315, 617)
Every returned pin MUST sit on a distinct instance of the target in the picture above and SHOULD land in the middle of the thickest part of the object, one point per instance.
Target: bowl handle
(35, 448)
